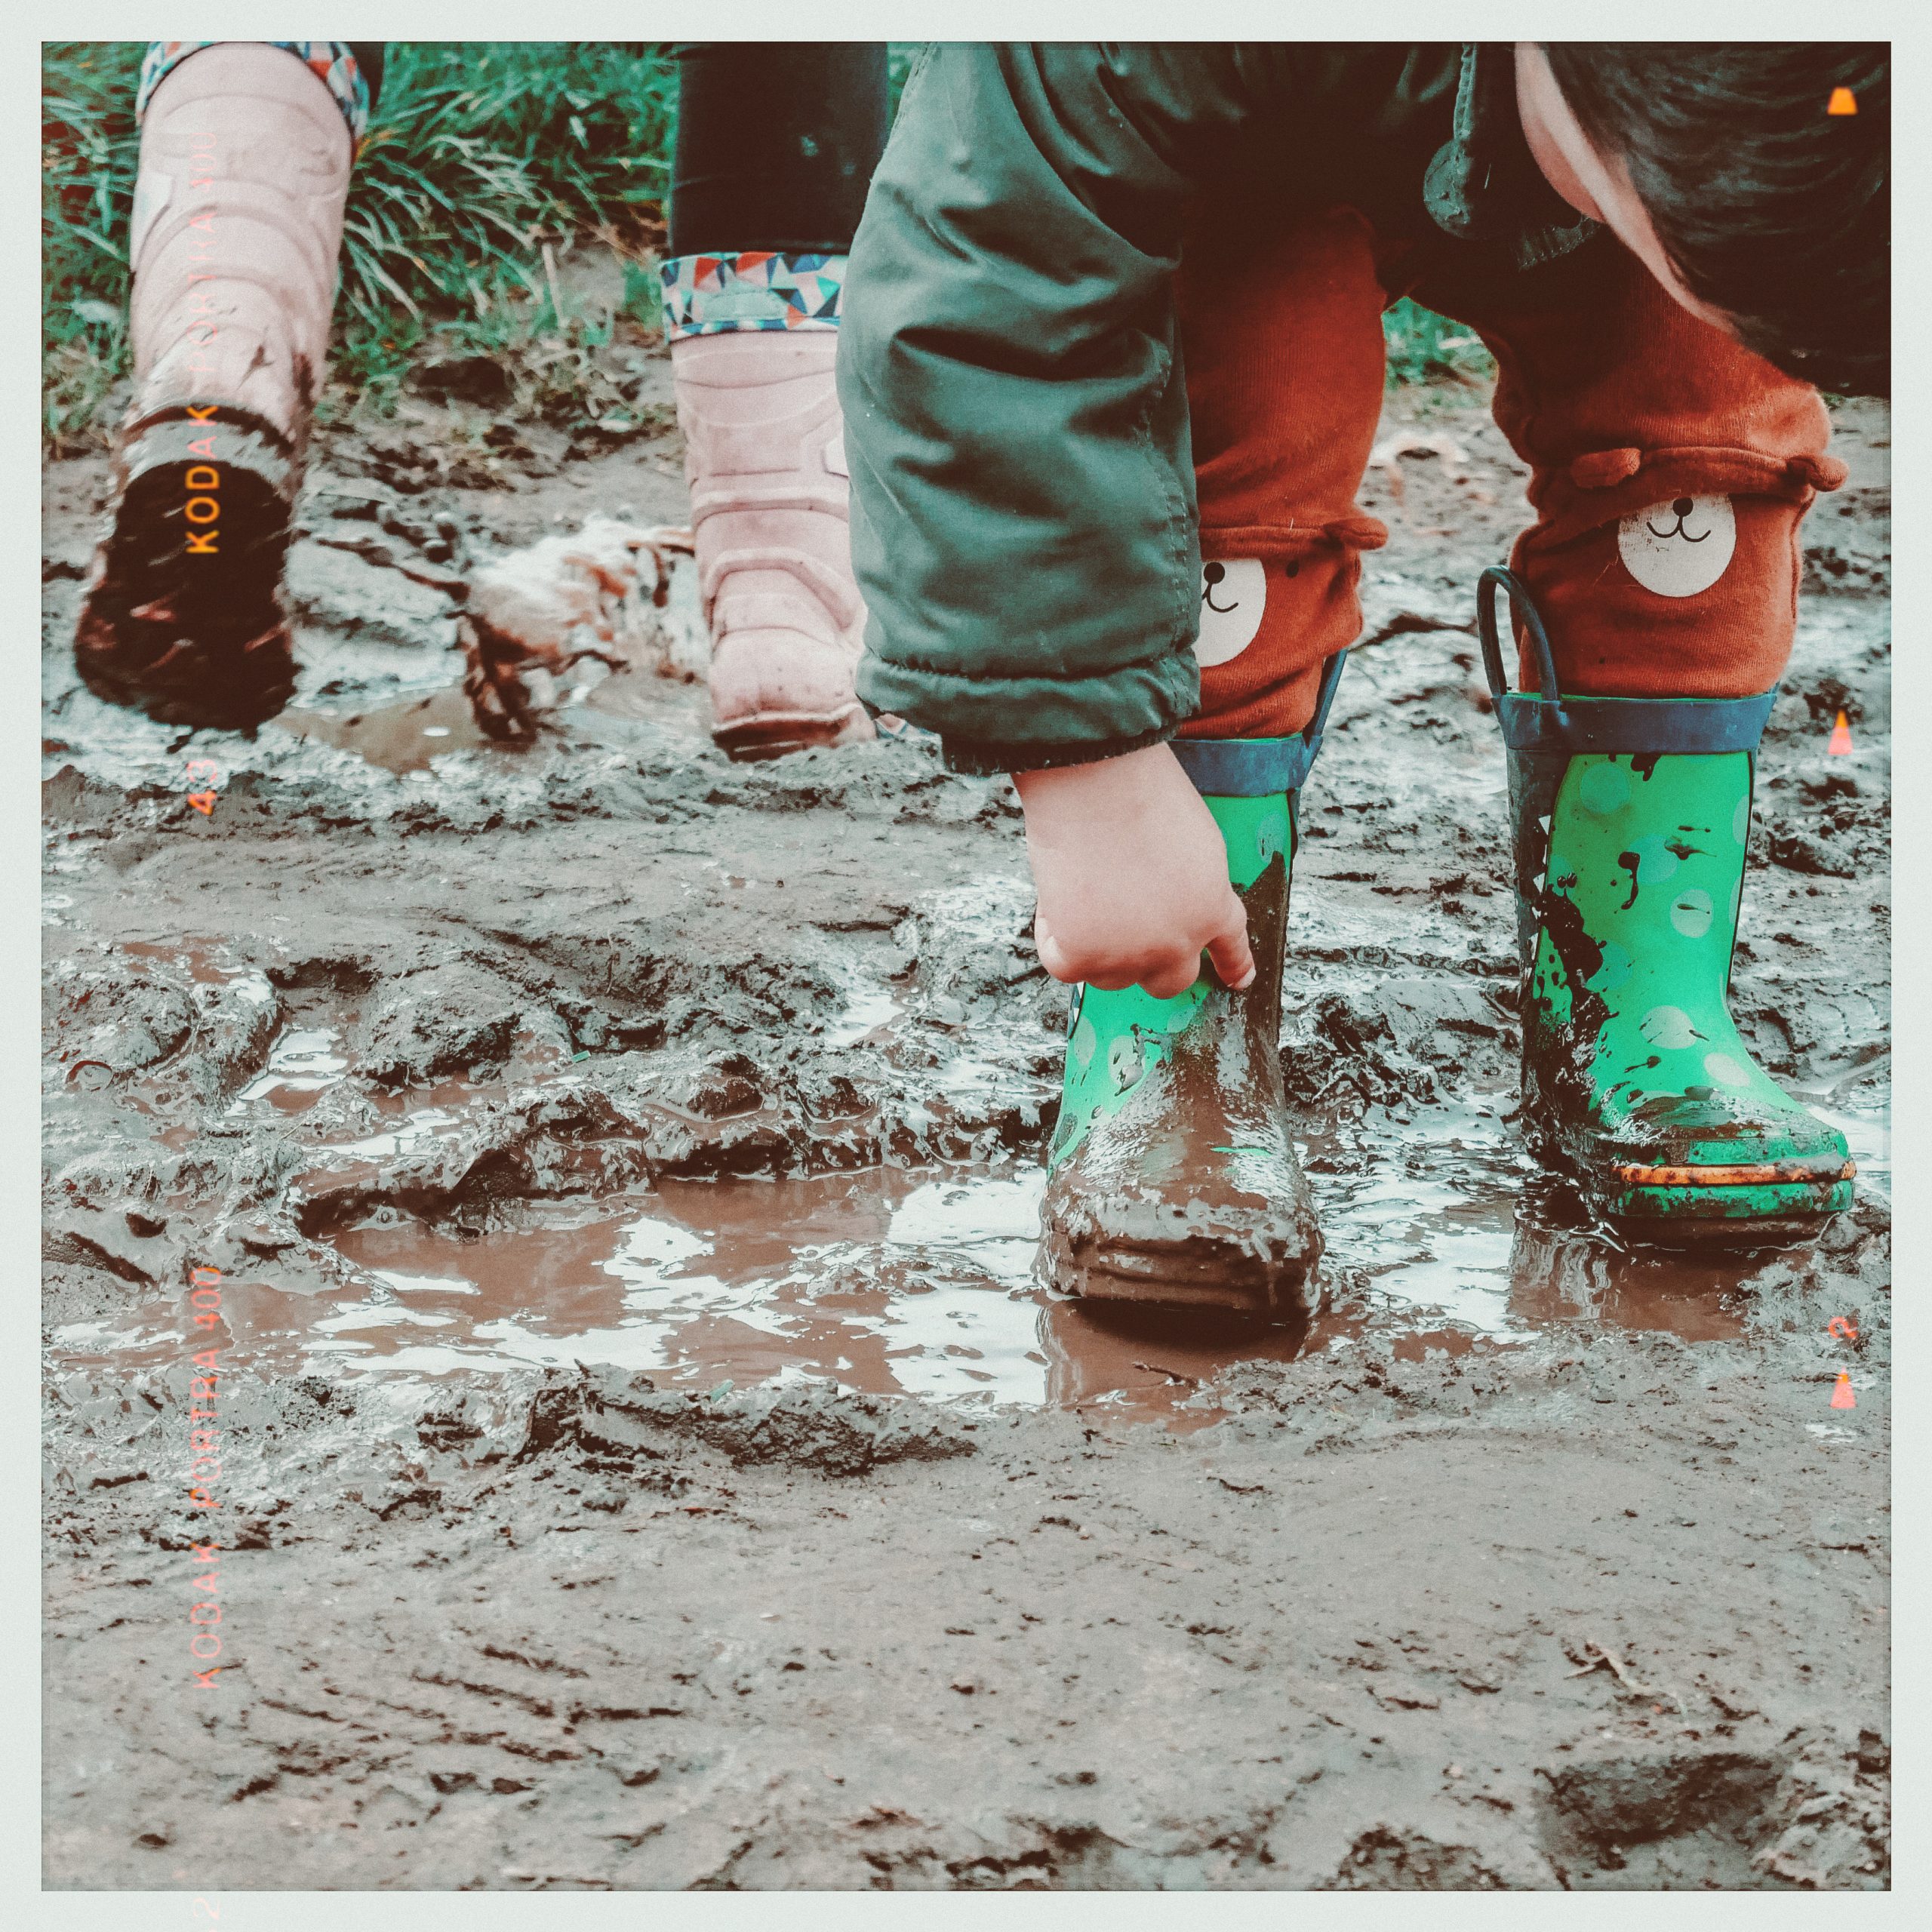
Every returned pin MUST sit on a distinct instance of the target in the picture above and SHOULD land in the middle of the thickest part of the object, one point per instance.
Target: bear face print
(1680, 547)
(1234, 592)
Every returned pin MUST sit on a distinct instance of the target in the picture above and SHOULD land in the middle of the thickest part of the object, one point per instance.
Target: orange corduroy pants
(1671, 468)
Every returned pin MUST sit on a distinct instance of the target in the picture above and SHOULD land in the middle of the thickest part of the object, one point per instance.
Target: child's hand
(1131, 875)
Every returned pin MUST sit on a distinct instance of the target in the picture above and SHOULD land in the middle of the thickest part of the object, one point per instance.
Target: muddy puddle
(406, 734)
(925, 1281)
(380, 679)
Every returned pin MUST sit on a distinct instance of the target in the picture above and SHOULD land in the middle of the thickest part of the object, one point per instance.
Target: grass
(478, 156)
(1424, 347)
(484, 163)
(87, 154)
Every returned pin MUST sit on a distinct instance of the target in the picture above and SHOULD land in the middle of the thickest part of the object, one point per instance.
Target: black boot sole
(192, 636)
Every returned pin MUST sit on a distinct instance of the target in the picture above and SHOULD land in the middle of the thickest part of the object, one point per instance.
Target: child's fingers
(1053, 954)
(1164, 976)
(1171, 982)
(1229, 952)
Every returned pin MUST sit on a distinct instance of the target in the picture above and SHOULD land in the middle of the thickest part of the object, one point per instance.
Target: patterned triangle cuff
(720, 294)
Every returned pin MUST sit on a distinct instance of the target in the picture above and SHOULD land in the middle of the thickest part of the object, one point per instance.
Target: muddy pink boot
(765, 457)
(245, 154)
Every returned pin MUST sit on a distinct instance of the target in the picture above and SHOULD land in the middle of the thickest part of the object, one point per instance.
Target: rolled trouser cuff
(724, 294)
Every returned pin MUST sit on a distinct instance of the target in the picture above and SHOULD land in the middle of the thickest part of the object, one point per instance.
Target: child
(246, 153)
(1114, 311)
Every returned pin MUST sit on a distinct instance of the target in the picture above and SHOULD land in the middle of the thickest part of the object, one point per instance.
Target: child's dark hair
(1770, 207)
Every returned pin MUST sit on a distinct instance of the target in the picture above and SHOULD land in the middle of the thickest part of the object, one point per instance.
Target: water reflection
(892, 1281)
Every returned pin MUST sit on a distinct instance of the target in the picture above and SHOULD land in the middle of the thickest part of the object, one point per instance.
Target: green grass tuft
(87, 156)
(478, 156)
(1425, 347)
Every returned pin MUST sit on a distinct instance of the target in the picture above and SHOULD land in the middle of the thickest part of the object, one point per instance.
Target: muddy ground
(621, 1168)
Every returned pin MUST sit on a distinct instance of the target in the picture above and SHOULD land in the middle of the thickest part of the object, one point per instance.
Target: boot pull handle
(1522, 606)
(1331, 676)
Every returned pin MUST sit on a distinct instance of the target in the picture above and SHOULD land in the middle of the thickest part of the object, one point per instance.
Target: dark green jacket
(1023, 519)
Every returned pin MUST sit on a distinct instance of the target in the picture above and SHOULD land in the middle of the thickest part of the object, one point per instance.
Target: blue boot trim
(1548, 721)
(1258, 768)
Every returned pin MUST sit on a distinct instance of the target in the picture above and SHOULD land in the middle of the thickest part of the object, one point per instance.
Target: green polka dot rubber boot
(1172, 1175)
(1630, 818)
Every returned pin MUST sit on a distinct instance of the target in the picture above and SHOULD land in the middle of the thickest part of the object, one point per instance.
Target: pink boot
(245, 154)
(765, 457)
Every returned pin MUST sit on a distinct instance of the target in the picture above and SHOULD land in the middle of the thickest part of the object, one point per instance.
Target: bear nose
(1213, 573)
(1681, 507)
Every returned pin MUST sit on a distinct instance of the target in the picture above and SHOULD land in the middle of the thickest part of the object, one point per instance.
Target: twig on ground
(1386, 454)
(1606, 1658)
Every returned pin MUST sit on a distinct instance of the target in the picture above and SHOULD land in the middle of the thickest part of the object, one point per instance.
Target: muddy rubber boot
(1630, 818)
(238, 215)
(765, 456)
(1172, 1178)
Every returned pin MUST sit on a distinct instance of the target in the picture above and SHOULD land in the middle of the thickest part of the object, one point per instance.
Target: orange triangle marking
(1841, 737)
(1841, 1396)
(1843, 101)
(202, 801)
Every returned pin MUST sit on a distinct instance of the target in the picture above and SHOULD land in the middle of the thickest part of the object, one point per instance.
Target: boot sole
(1169, 1277)
(773, 734)
(199, 640)
(1721, 1217)
(1766, 1204)
(1733, 1237)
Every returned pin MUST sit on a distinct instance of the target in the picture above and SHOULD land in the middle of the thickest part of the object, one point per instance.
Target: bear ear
(1356, 532)
(1603, 468)
(1821, 472)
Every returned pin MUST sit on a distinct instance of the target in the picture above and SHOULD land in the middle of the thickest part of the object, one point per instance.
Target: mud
(648, 1458)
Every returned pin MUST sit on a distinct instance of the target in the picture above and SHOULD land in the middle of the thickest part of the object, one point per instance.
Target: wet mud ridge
(602, 1181)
